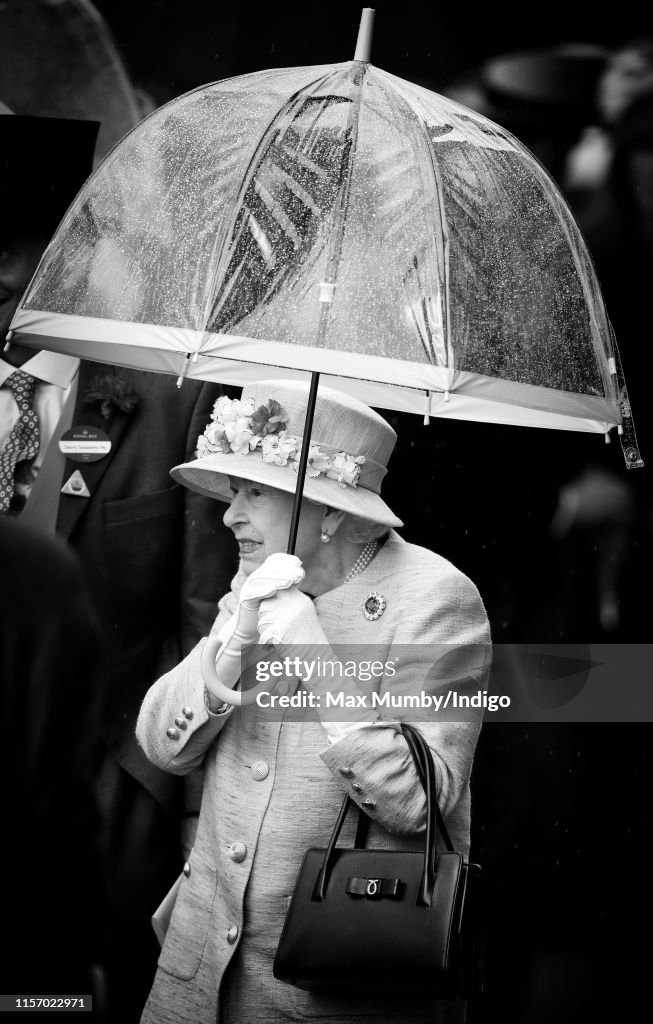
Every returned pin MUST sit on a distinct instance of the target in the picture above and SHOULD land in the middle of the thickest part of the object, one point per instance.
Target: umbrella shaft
(303, 462)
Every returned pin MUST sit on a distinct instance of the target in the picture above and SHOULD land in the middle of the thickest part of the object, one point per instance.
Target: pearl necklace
(363, 560)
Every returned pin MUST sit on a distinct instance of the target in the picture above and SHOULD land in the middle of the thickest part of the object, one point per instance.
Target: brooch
(373, 606)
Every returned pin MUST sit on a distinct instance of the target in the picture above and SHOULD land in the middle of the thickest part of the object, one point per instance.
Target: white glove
(289, 618)
(221, 668)
(278, 572)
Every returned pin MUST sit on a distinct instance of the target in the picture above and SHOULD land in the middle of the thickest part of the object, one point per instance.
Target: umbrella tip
(364, 41)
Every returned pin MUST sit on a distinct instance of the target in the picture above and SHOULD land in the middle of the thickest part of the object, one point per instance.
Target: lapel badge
(85, 444)
(76, 485)
(373, 606)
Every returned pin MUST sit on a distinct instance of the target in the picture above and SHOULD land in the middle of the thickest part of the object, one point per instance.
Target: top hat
(551, 89)
(44, 161)
(259, 438)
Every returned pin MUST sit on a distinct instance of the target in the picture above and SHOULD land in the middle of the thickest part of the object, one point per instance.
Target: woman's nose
(235, 512)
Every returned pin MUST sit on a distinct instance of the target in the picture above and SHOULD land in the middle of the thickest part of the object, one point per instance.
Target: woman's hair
(356, 529)
(361, 531)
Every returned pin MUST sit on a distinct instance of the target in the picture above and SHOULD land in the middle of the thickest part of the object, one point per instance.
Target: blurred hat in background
(44, 161)
(58, 58)
(552, 89)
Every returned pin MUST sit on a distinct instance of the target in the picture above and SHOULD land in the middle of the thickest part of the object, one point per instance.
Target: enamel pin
(76, 485)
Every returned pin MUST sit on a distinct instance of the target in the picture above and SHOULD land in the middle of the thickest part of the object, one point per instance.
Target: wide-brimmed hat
(259, 436)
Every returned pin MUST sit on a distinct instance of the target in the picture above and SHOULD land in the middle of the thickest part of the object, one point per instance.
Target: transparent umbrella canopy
(341, 221)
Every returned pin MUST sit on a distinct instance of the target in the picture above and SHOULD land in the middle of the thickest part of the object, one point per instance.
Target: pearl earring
(324, 537)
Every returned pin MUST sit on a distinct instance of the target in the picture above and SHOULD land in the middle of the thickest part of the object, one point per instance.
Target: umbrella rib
(340, 216)
(445, 242)
(445, 228)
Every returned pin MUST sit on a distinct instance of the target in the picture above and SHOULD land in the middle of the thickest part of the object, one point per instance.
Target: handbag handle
(422, 756)
(426, 773)
(425, 768)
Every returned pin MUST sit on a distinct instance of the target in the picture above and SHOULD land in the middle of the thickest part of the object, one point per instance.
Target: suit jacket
(153, 552)
(155, 563)
(273, 784)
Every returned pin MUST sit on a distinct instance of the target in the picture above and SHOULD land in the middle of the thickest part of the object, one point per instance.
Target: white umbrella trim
(383, 383)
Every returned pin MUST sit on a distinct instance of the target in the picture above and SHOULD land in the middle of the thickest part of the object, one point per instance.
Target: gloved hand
(289, 621)
(289, 618)
(278, 573)
(221, 658)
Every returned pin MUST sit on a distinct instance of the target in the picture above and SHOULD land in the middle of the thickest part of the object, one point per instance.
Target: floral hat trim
(237, 427)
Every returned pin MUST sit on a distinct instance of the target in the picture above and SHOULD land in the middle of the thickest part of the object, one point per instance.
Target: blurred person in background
(142, 543)
(617, 217)
(610, 172)
(546, 97)
(552, 100)
(53, 900)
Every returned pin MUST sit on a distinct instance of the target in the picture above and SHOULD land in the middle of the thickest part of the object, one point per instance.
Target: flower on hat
(214, 439)
(318, 461)
(279, 448)
(346, 469)
(238, 427)
(269, 419)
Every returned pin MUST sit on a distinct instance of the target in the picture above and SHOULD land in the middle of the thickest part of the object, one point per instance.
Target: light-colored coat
(275, 786)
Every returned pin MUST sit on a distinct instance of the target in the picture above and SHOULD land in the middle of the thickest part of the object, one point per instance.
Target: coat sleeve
(442, 645)
(175, 727)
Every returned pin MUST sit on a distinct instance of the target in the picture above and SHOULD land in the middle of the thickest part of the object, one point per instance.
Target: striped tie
(23, 441)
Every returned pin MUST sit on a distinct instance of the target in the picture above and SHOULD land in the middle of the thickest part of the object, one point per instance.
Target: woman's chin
(251, 559)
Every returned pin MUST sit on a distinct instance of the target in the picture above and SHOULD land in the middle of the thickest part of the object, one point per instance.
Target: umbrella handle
(213, 683)
(211, 679)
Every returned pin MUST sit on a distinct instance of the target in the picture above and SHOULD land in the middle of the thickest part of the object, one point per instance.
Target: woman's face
(259, 516)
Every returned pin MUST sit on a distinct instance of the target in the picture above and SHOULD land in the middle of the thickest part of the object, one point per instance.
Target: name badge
(84, 444)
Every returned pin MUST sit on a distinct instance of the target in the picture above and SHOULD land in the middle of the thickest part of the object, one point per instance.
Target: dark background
(561, 813)
(182, 45)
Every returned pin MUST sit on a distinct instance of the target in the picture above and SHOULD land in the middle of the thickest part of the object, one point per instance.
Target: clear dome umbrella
(340, 221)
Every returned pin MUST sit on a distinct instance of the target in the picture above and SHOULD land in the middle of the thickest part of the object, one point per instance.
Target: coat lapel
(71, 507)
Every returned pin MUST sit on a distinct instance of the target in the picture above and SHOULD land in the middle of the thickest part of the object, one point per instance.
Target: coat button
(172, 734)
(370, 804)
(347, 772)
(237, 852)
(260, 770)
(187, 713)
(186, 869)
(232, 934)
(356, 786)
(181, 723)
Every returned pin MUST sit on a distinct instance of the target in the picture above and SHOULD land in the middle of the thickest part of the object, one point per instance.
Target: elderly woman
(274, 779)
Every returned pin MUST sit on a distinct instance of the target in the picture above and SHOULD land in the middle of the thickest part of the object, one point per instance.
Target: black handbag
(386, 920)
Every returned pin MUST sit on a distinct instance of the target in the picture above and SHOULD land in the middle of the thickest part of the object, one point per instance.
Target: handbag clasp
(374, 888)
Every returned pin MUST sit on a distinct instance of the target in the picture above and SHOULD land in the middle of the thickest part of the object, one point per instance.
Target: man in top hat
(151, 550)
